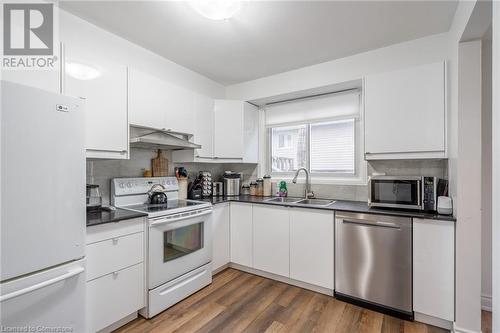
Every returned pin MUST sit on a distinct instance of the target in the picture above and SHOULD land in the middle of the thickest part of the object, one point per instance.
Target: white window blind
(341, 105)
(318, 133)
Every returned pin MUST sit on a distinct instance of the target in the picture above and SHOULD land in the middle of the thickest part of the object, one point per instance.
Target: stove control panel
(130, 186)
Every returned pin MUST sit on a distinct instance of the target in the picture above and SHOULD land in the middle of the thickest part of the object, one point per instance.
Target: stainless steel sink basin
(314, 202)
(282, 200)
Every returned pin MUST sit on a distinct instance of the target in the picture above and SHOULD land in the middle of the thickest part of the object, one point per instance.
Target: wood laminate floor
(242, 302)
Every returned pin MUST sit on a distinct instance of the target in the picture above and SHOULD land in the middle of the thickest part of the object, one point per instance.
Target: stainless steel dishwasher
(373, 262)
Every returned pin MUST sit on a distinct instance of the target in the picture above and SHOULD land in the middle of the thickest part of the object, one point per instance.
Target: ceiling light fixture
(81, 72)
(216, 9)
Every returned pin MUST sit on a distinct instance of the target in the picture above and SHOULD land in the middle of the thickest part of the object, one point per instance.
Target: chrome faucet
(307, 192)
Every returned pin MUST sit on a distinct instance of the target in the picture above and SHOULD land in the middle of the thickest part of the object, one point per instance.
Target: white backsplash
(102, 171)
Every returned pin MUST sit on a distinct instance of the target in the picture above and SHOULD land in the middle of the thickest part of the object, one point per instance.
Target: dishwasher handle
(372, 223)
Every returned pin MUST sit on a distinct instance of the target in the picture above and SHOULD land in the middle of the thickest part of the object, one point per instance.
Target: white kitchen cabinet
(271, 246)
(221, 236)
(204, 126)
(405, 113)
(156, 103)
(311, 246)
(434, 268)
(106, 113)
(241, 228)
(227, 130)
(235, 131)
(114, 296)
(115, 272)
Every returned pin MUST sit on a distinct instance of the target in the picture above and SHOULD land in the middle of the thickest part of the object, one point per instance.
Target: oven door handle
(179, 217)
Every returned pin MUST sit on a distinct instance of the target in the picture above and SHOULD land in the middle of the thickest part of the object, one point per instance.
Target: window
(321, 134)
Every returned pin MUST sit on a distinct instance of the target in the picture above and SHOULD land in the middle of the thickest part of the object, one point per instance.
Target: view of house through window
(319, 134)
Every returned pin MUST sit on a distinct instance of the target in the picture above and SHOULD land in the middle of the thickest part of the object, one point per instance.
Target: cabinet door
(114, 296)
(251, 134)
(179, 110)
(311, 236)
(405, 111)
(147, 100)
(241, 234)
(434, 268)
(106, 121)
(271, 239)
(228, 129)
(204, 126)
(221, 236)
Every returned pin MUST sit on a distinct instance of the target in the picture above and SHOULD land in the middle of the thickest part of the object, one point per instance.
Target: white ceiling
(266, 37)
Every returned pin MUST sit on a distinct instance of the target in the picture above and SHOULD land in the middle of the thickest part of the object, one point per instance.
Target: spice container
(260, 187)
(253, 188)
(245, 189)
(267, 186)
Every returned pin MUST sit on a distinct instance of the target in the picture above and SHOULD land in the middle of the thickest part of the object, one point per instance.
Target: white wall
(112, 48)
(486, 175)
(123, 51)
(496, 167)
(420, 51)
(468, 229)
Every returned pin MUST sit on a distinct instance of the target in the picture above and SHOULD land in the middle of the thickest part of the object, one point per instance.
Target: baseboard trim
(220, 269)
(457, 329)
(486, 303)
(438, 322)
(283, 279)
(119, 323)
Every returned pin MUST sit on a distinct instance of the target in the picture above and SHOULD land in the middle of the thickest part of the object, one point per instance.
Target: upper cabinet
(405, 113)
(103, 85)
(159, 104)
(227, 130)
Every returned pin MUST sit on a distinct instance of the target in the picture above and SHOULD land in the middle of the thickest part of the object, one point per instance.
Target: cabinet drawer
(114, 254)
(110, 230)
(114, 296)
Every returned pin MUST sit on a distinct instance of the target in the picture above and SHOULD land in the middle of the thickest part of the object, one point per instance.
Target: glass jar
(267, 186)
(260, 187)
(245, 189)
(253, 188)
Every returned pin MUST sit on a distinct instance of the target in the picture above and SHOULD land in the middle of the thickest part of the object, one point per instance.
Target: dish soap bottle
(282, 190)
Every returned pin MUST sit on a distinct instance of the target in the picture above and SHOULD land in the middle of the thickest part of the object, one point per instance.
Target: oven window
(182, 241)
(395, 192)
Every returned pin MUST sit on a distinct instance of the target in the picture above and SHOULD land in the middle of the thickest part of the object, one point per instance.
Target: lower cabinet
(241, 234)
(271, 242)
(114, 296)
(115, 272)
(311, 246)
(434, 268)
(221, 236)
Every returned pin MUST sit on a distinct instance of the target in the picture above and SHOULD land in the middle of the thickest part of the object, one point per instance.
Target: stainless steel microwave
(406, 192)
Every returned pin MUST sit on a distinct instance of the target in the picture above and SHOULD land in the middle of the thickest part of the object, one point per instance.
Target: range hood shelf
(152, 138)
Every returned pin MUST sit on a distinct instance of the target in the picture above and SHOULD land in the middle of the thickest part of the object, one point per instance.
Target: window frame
(359, 177)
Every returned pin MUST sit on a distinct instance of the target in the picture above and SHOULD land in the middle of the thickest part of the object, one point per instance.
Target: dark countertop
(339, 205)
(102, 217)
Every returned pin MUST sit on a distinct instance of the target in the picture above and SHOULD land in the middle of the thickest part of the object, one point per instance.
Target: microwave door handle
(180, 218)
(420, 186)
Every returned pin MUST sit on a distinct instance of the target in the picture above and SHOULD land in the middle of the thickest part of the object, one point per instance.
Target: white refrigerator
(42, 229)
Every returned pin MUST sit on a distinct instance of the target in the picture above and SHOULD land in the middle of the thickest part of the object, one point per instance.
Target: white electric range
(179, 240)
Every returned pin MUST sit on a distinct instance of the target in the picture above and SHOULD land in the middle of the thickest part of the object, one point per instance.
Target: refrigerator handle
(43, 284)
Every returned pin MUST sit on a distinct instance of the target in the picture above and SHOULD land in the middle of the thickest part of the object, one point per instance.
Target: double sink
(304, 202)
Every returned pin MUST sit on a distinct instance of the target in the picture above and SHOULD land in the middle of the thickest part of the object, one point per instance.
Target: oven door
(178, 244)
(395, 192)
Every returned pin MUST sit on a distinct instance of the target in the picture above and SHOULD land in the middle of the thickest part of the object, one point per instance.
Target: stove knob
(121, 185)
(129, 185)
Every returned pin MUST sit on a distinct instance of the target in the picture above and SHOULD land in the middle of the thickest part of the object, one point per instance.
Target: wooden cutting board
(159, 165)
